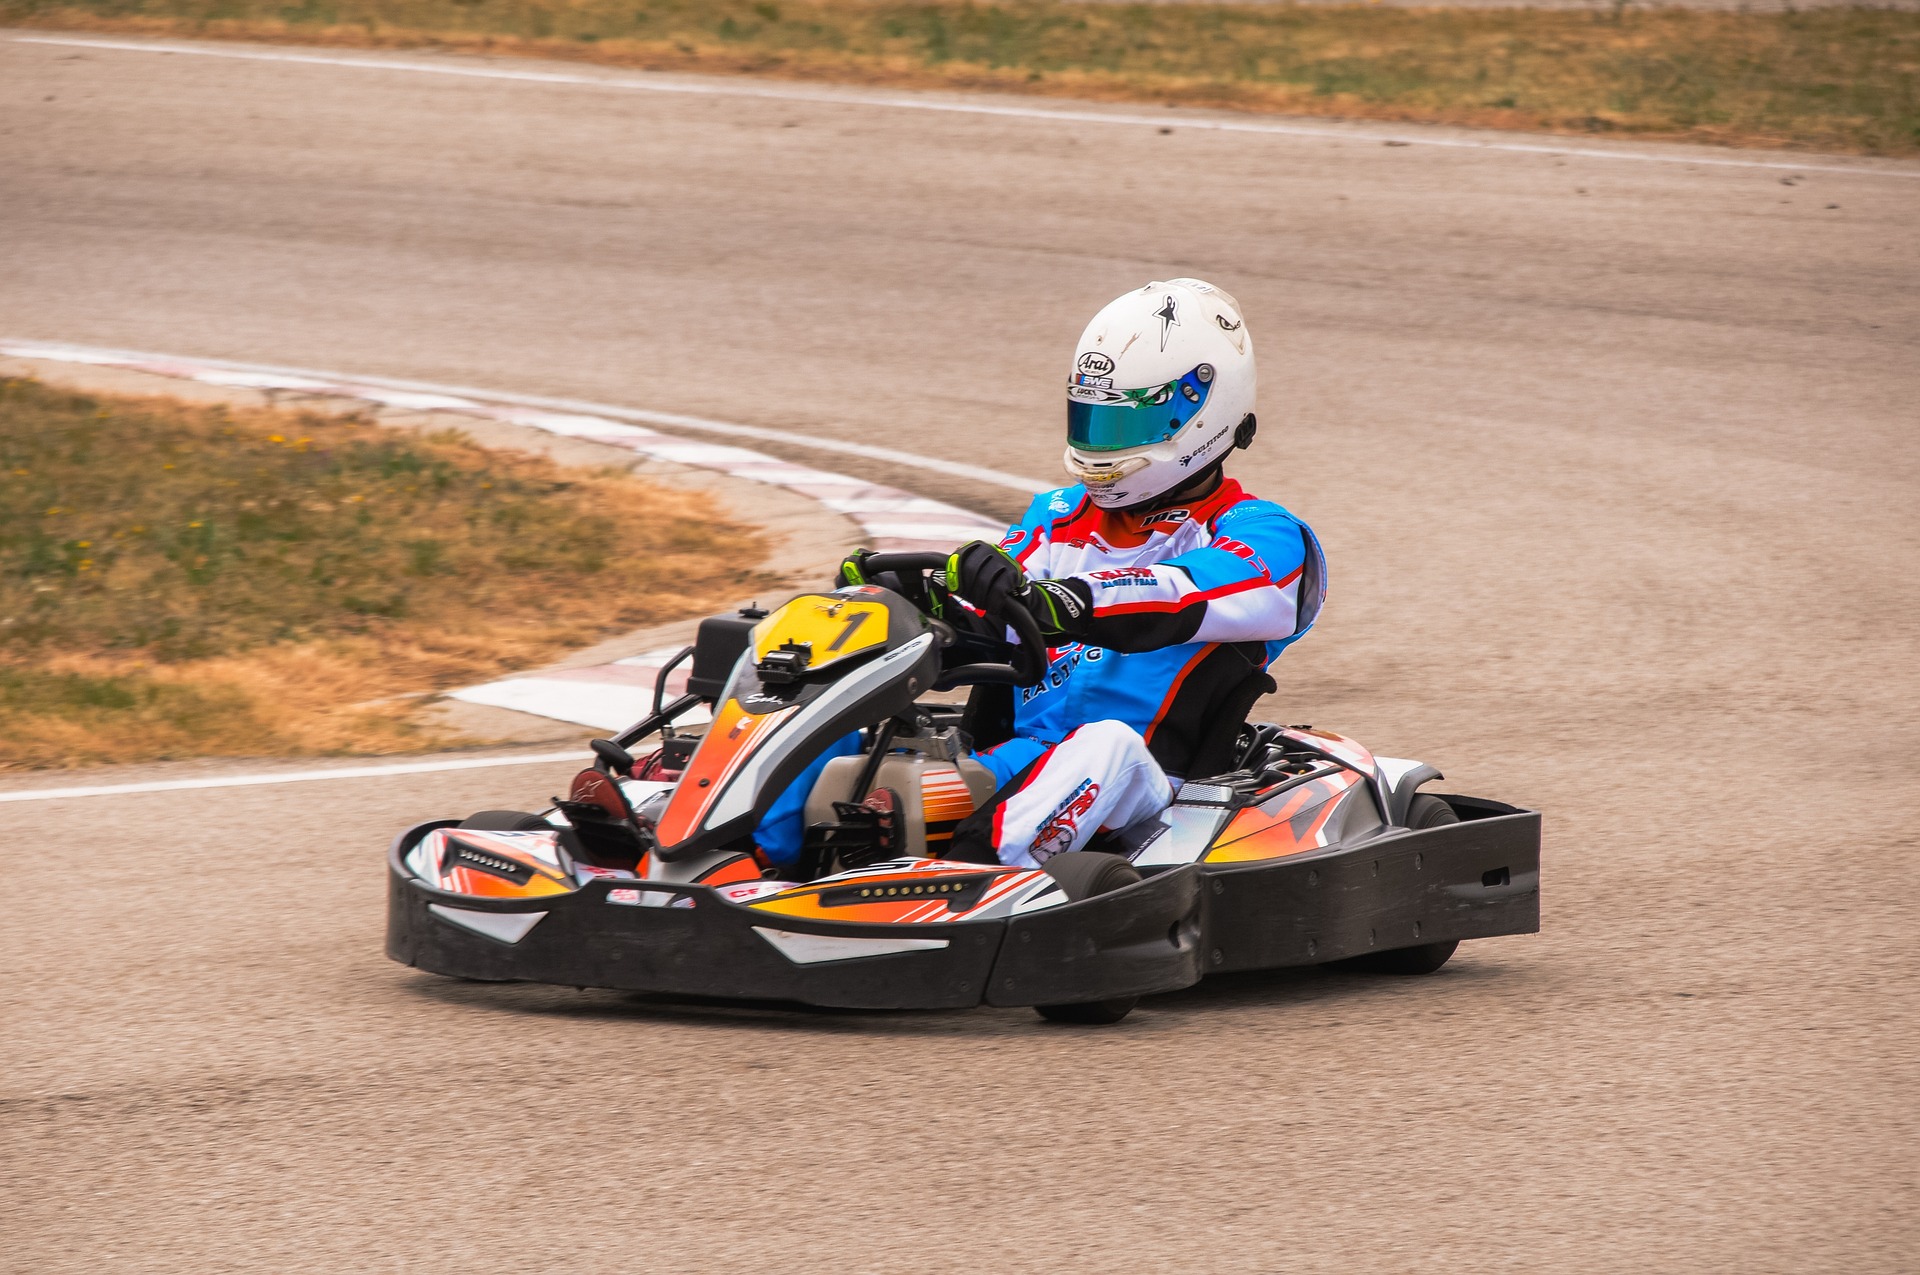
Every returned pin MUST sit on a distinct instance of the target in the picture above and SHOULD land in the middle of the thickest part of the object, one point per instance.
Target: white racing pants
(1100, 776)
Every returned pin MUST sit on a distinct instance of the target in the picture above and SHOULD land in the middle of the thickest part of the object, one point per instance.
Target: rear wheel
(1083, 874)
(1426, 811)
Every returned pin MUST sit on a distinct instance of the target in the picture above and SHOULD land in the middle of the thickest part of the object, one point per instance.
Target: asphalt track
(1616, 468)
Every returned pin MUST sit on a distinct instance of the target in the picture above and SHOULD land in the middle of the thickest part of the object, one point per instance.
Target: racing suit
(1186, 602)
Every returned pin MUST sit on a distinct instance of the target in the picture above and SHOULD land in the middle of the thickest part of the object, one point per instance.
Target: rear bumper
(1146, 938)
(1474, 879)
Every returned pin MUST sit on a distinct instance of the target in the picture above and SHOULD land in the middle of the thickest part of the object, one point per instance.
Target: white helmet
(1162, 388)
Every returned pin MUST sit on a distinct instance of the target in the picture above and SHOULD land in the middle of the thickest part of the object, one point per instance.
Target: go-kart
(1285, 846)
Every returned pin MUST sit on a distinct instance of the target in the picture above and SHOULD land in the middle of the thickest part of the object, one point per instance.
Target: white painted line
(294, 776)
(905, 102)
(577, 412)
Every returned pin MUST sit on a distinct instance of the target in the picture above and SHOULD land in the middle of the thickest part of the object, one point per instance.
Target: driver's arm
(1244, 587)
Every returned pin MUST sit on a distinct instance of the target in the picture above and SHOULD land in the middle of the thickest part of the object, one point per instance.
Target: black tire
(1428, 811)
(1084, 874)
(1405, 961)
(506, 821)
(1425, 811)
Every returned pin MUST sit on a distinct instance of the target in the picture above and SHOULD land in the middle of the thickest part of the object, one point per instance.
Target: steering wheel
(1026, 666)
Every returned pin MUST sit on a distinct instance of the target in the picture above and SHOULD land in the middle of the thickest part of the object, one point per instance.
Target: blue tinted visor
(1103, 419)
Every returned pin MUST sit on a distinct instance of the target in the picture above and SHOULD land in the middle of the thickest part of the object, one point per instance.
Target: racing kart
(1286, 845)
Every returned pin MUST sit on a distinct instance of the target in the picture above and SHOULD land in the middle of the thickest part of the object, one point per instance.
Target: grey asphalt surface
(1615, 465)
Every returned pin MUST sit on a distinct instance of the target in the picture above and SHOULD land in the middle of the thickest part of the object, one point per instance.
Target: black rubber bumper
(1474, 879)
(1142, 939)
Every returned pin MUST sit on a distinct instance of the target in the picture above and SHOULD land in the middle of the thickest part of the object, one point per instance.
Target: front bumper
(1143, 939)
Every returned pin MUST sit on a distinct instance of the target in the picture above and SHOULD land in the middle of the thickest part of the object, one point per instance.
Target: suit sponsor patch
(1062, 828)
(1240, 549)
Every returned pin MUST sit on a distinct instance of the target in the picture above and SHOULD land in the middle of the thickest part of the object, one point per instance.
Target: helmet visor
(1103, 419)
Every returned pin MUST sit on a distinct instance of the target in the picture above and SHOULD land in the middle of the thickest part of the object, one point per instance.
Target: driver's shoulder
(1056, 505)
(1249, 511)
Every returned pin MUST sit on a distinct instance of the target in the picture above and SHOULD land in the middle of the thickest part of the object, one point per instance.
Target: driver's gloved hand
(989, 577)
(853, 569)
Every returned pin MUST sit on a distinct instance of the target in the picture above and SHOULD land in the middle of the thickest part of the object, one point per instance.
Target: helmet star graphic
(1168, 314)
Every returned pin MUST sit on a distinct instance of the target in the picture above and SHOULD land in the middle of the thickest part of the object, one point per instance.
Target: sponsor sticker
(1062, 828)
(1202, 449)
(1240, 549)
(1093, 363)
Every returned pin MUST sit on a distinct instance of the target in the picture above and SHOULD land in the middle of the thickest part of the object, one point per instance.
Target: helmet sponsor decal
(1202, 449)
(1093, 363)
(1169, 316)
(1062, 828)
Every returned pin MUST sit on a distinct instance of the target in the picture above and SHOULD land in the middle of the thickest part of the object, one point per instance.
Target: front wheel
(1083, 874)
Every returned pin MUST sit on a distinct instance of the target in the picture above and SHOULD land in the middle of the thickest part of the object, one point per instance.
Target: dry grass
(1835, 79)
(185, 581)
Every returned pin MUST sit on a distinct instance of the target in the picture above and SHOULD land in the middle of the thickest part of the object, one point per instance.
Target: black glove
(989, 577)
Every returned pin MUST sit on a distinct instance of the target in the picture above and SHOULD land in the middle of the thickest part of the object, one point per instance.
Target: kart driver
(1162, 588)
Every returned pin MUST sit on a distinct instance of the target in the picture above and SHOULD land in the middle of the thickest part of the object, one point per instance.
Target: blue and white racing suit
(1186, 603)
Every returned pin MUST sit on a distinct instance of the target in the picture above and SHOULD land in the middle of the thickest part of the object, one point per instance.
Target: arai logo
(1094, 363)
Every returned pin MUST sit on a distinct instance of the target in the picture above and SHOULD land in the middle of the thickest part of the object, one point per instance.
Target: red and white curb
(612, 695)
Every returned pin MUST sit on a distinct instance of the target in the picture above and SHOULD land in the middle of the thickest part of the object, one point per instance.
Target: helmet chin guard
(1162, 389)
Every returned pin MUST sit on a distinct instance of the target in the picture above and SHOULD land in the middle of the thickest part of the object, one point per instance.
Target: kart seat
(1220, 747)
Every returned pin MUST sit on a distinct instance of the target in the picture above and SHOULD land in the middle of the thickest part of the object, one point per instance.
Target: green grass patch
(1837, 79)
(180, 579)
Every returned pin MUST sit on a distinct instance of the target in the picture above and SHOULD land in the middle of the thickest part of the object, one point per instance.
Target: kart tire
(1426, 811)
(506, 821)
(1083, 874)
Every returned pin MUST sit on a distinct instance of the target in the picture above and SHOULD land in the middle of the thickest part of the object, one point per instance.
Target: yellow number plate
(832, 628)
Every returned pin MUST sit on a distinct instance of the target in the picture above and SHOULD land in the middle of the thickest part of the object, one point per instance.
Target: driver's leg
(1100, 776)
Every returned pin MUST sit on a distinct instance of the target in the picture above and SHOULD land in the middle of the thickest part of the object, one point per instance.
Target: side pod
(1143, 939)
